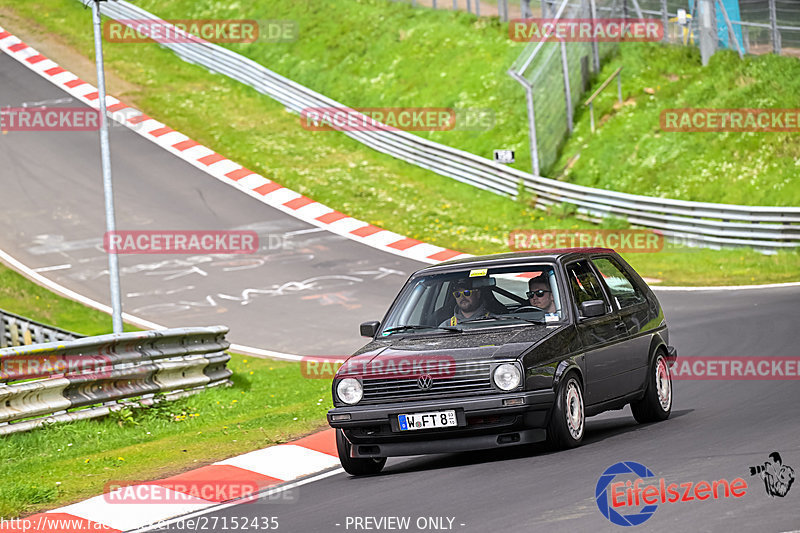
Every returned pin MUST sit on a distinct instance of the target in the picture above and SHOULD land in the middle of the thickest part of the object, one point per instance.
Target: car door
(601, 336)
(633, 311)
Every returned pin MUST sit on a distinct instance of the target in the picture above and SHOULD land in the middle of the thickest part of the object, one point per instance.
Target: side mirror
(369, 329)
(593, 308)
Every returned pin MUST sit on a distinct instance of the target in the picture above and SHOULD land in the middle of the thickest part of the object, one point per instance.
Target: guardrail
(87, 377)
(16, 330)
(703, 224)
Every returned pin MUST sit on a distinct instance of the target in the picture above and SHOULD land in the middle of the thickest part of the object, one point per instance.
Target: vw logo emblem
(425, 382)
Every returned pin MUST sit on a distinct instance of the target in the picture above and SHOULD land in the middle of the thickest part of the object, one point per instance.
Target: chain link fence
(555, 74)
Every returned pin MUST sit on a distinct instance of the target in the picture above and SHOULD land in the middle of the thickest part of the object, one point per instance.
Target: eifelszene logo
(613, 498)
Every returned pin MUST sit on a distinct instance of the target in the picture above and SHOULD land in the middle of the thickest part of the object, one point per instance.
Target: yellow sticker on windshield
(478, 272)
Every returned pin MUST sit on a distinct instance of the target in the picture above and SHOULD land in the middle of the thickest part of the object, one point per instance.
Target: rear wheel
(356, 466)
(568, 420)
(657, 402)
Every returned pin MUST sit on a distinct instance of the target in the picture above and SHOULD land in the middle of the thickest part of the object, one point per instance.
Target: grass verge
(270, 403)
(331, 168)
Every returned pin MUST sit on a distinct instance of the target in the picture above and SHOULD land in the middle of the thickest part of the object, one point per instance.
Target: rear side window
(585, 285)
(622, 289)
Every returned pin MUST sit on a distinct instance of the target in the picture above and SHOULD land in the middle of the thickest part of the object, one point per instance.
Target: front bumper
(484, 422)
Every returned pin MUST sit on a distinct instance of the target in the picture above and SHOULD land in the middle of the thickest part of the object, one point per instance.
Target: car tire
(356, 466)
(568, 418)
(656, 405)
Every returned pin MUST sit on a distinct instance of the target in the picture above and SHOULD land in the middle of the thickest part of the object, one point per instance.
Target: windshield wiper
(504, 317)
(417, 326)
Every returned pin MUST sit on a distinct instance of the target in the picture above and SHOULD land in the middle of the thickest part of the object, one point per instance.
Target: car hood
(500, 344)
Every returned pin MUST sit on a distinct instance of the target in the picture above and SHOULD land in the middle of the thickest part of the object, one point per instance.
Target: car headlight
(506, 376)
(350, 390)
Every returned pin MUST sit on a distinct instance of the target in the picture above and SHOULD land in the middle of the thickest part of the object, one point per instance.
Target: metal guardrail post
(773, 20)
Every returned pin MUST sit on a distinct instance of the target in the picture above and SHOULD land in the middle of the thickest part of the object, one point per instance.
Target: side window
(622, 289)
(585, 285)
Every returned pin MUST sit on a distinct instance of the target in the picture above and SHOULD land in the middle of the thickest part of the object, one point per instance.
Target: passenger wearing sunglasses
(469, 303)
(540, 295)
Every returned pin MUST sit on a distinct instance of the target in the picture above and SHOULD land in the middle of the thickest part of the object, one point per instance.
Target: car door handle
(620, 325)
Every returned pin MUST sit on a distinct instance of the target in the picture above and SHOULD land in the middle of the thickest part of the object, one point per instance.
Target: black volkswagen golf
(503, 350)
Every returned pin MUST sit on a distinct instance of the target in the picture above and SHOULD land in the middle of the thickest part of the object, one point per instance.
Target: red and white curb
(222, 168)
(112, 512)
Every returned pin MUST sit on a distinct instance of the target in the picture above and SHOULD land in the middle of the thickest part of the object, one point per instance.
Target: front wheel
(656, 405)
(356, 466)
(568, 419)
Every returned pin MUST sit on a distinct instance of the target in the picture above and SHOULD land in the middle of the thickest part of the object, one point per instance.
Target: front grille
(467, 378)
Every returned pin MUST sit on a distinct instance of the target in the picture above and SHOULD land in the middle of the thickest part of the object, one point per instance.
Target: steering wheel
(527, 308)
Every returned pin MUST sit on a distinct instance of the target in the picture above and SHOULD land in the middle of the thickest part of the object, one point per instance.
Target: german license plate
(432, 420)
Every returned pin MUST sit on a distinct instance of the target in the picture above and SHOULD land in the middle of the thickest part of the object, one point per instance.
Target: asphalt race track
(52, 216)
(718, 429)
(305, 292)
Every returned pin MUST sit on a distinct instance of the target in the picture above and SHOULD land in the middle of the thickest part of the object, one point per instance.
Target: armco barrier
(16, 330)
(172, 362)
(704, 224)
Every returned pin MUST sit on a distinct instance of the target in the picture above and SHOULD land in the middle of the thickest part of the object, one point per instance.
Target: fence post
(595, 49)
(478, 8)
(664, 19)
(525, 7)
(773, 21)
(469, 6)
(434, 4)
(455, 5)
(532, 130)
(708, 30)
(567, 93)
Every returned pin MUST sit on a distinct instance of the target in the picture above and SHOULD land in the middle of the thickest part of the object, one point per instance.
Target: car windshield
(476, 298)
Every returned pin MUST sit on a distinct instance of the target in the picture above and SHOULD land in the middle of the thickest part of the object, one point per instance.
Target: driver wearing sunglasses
(469, 303)
(540, 295)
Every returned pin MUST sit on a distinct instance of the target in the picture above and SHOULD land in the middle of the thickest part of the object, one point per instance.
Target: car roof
(512, 258)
